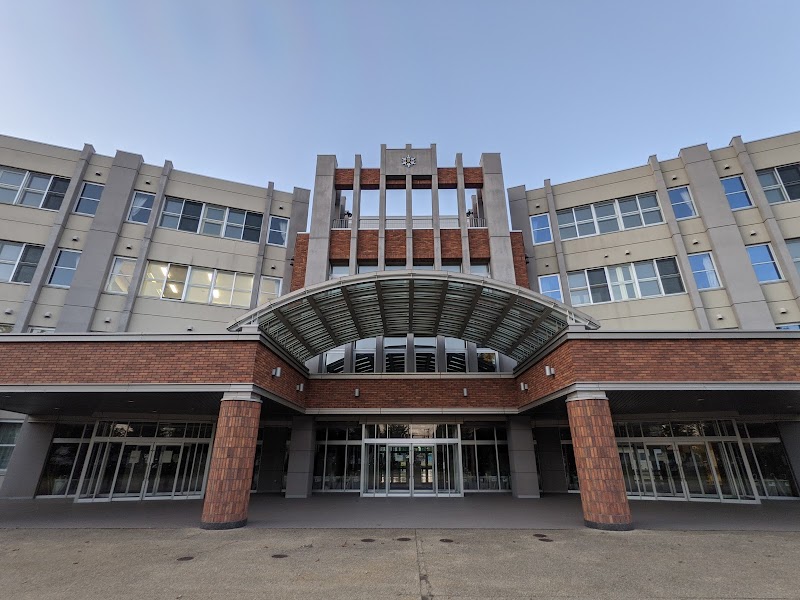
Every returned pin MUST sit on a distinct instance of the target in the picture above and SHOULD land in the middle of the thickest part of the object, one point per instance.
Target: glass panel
(319, 464)
(132, 471)
(665, 470)
(423, 468)
(353, 476)
(398, 430)
(334, 467)
(423, 431)
(163, 470)
(58, 468)
(570, 468)
(447, 476)
(399, 469)
(771, 461)
(488, 478)
(469, 466)
(376, 468)
(505, 468)
(697, 471)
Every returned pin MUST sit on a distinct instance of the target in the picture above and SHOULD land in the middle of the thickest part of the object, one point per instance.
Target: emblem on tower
(409, 161)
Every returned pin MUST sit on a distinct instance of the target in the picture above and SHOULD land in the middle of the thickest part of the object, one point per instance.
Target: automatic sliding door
(424, 472)
(132, 471)
(399, 473)
(665, 470)
(447, 471)
(375, 481)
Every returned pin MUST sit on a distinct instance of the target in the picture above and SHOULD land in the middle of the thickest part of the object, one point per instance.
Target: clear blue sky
(253, 91)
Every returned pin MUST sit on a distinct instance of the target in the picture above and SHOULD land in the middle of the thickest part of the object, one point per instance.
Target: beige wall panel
(775, 151)
(163, 315)
(23, 231)
(777, 291)
(728, 320)
(38, 148)
(788, 216)
(662, 305)
(724, 153)
(216, 196)
(80, 223)
(544, 250)
(604, 179)
(683, 321)
(791, 314)
(108, 307)
(161, 324)
(691, 226)
(596, 193)
(12, 292)
(207, 258)
(147, 170)
(51, 300)
(703, 244)
(747, 216)
(715, 299)
(275, 253)
(591, 252)
(37, 162)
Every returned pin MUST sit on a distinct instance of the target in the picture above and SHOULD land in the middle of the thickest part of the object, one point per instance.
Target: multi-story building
(178, 336)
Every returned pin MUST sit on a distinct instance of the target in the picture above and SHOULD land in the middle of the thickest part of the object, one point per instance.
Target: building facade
(628, 336)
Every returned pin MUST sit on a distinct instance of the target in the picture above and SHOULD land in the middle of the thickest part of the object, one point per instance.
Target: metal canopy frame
(512, 320)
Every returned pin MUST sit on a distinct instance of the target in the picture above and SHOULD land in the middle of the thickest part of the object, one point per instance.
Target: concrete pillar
(321, 220)
(301, 458)
(230, 475)
(522, 458)
(258, 268)
(605, 503)
(27, 460)
(521, 221)
(297, 223)
(494, 208)
(551, 459)
(560, 260)
(462, 215)
(790, 436)
(356, 215)
(273, 457)
(437, 231)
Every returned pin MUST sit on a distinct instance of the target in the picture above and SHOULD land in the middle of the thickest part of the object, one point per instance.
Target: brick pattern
(367, 249)
(343, 179)
(300, 262)
(435, 392)
(605, 504)
(479, 245)
(340, 245)
(518, 254)
(396, 245)
(284, 386)
(395, 182)
(423, 244)
(451, 244)
(231, 471)
(421, 183)
(473, 177)
(370, 179)
(448, 177)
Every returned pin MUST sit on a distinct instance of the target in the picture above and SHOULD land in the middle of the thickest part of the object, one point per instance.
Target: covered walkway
(352, 512)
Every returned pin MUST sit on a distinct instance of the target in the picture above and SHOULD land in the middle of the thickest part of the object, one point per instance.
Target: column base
(609, 526)
(220, 526)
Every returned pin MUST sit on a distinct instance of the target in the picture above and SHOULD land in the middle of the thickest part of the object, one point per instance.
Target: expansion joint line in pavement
(425, 591)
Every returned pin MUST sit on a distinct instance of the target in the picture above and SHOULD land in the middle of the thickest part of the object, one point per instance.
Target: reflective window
(64, 268)
(681, 201)
(278, 231)
(365, 356)
(119, 279)
(339, 271)
(36, 190)
(18, 261)
(794, 250)
(481, 269)
(736, 192)
(141, 207)
(606, 217)
(89, 199)
(425, 354)
(763, 262)
(394, 350)
(170, 281)
(642, 279)
(270, 289)
(705, 275)
(484, 458)
(781, 184)
(333, 360)
(8, 438)
(487, 360)
(455, 355)
(540, 225)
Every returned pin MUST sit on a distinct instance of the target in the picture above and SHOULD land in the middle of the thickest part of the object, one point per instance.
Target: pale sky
(253, 90)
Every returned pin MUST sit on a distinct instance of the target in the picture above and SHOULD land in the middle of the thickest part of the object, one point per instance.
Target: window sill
(216, 237)
(277, 245)
(633, 299)
(15, 282)
(26, 206)
(781, 280)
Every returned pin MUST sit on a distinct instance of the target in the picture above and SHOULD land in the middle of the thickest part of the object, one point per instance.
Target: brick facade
(300, 262)
(343, 179)
(447, 177)
(423, 245)
(479, 245)
(603, 496)
(396, 245)
(231, 471)
(451, 244)
(473, 177)
(340, 245)
(371, 178)
(520, 265)
(367, 245)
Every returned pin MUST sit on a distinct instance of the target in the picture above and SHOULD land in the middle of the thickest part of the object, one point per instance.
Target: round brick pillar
(605, 503)
(231, 471)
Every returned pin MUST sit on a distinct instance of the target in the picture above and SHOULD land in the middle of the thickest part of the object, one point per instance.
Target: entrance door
(132, 472)
(399, 472)
(423, 479)
(666, 472)
(163, 470)
(697, 471)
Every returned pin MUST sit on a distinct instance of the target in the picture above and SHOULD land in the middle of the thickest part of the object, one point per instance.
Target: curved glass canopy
(512, 320)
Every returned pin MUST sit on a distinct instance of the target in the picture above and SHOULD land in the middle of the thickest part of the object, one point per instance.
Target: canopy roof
(510, 319)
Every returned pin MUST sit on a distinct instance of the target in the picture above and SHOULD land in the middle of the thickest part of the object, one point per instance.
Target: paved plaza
(482, 547)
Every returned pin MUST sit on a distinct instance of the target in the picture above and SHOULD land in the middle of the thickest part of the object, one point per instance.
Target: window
(705, 275)
(8, 438)
(119, 280)
(18, 261)
(6, 327)
(394, 266)
(394, 349)
(36, 190)
(333, 360)
(736, 192)
(455, 355)
(41, 329)
(781, 183)
(423, 266)
(785, 327)
(681, 201)
(64, 268)
(794, 250)
(141, 207)
(89, 199)
(453, 267)
(278, 231)
(365, 356)
(550, 285)
(180, 214)
(269, 290)
(425, 354)
(487, 360)
(481, 269)
(239, 224)
(605, 217)
(540, 224)
(339, 271)
(642, 279)
(763, 263)
(194, 284)
(365, 268)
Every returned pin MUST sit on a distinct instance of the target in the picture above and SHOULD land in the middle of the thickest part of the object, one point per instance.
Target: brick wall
(340, 245)
(518, 253)
(370, 179)
(367, 245)
(448, 177)
(451, 244)
(396, 245)
(479, 245)
(423, 244)
(300, 262)
(473, 177)
(284, 386)
(343, 179)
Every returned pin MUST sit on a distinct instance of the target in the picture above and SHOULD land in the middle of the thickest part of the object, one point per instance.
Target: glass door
(132, 471)
(697, 471)
(424, 476)
(665, 470)
(163, 470)
(399, 472)
(447, 470)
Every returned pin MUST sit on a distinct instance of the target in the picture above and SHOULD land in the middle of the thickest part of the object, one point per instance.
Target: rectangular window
(606, 216)
(453, 267)
(784, 327)
(243, 225)
(365, 356)
(455, 355)
(180, 214)
(681, 201)
(119, 279)
(231, 289)
(540, 225)
(487, 361)
(89, 199)
(8, 439)
(339, 271)
(705, 274)
(781, 184)
(642, 279)
(269, 290)
(794, 250)
(763, 263)
(36, 190)
(18, 261)
(550, 285)
(736, 192)
(481, 269)
(278, 231)
(333, 360)
(394, 350)
(41, 329)
(6, 327)
(365, 268)
(141, 207)
(425, 354)
(170, 281)
(64, 268)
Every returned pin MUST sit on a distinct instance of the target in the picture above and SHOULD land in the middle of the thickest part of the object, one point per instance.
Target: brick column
(231, 471)
(605, 503)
